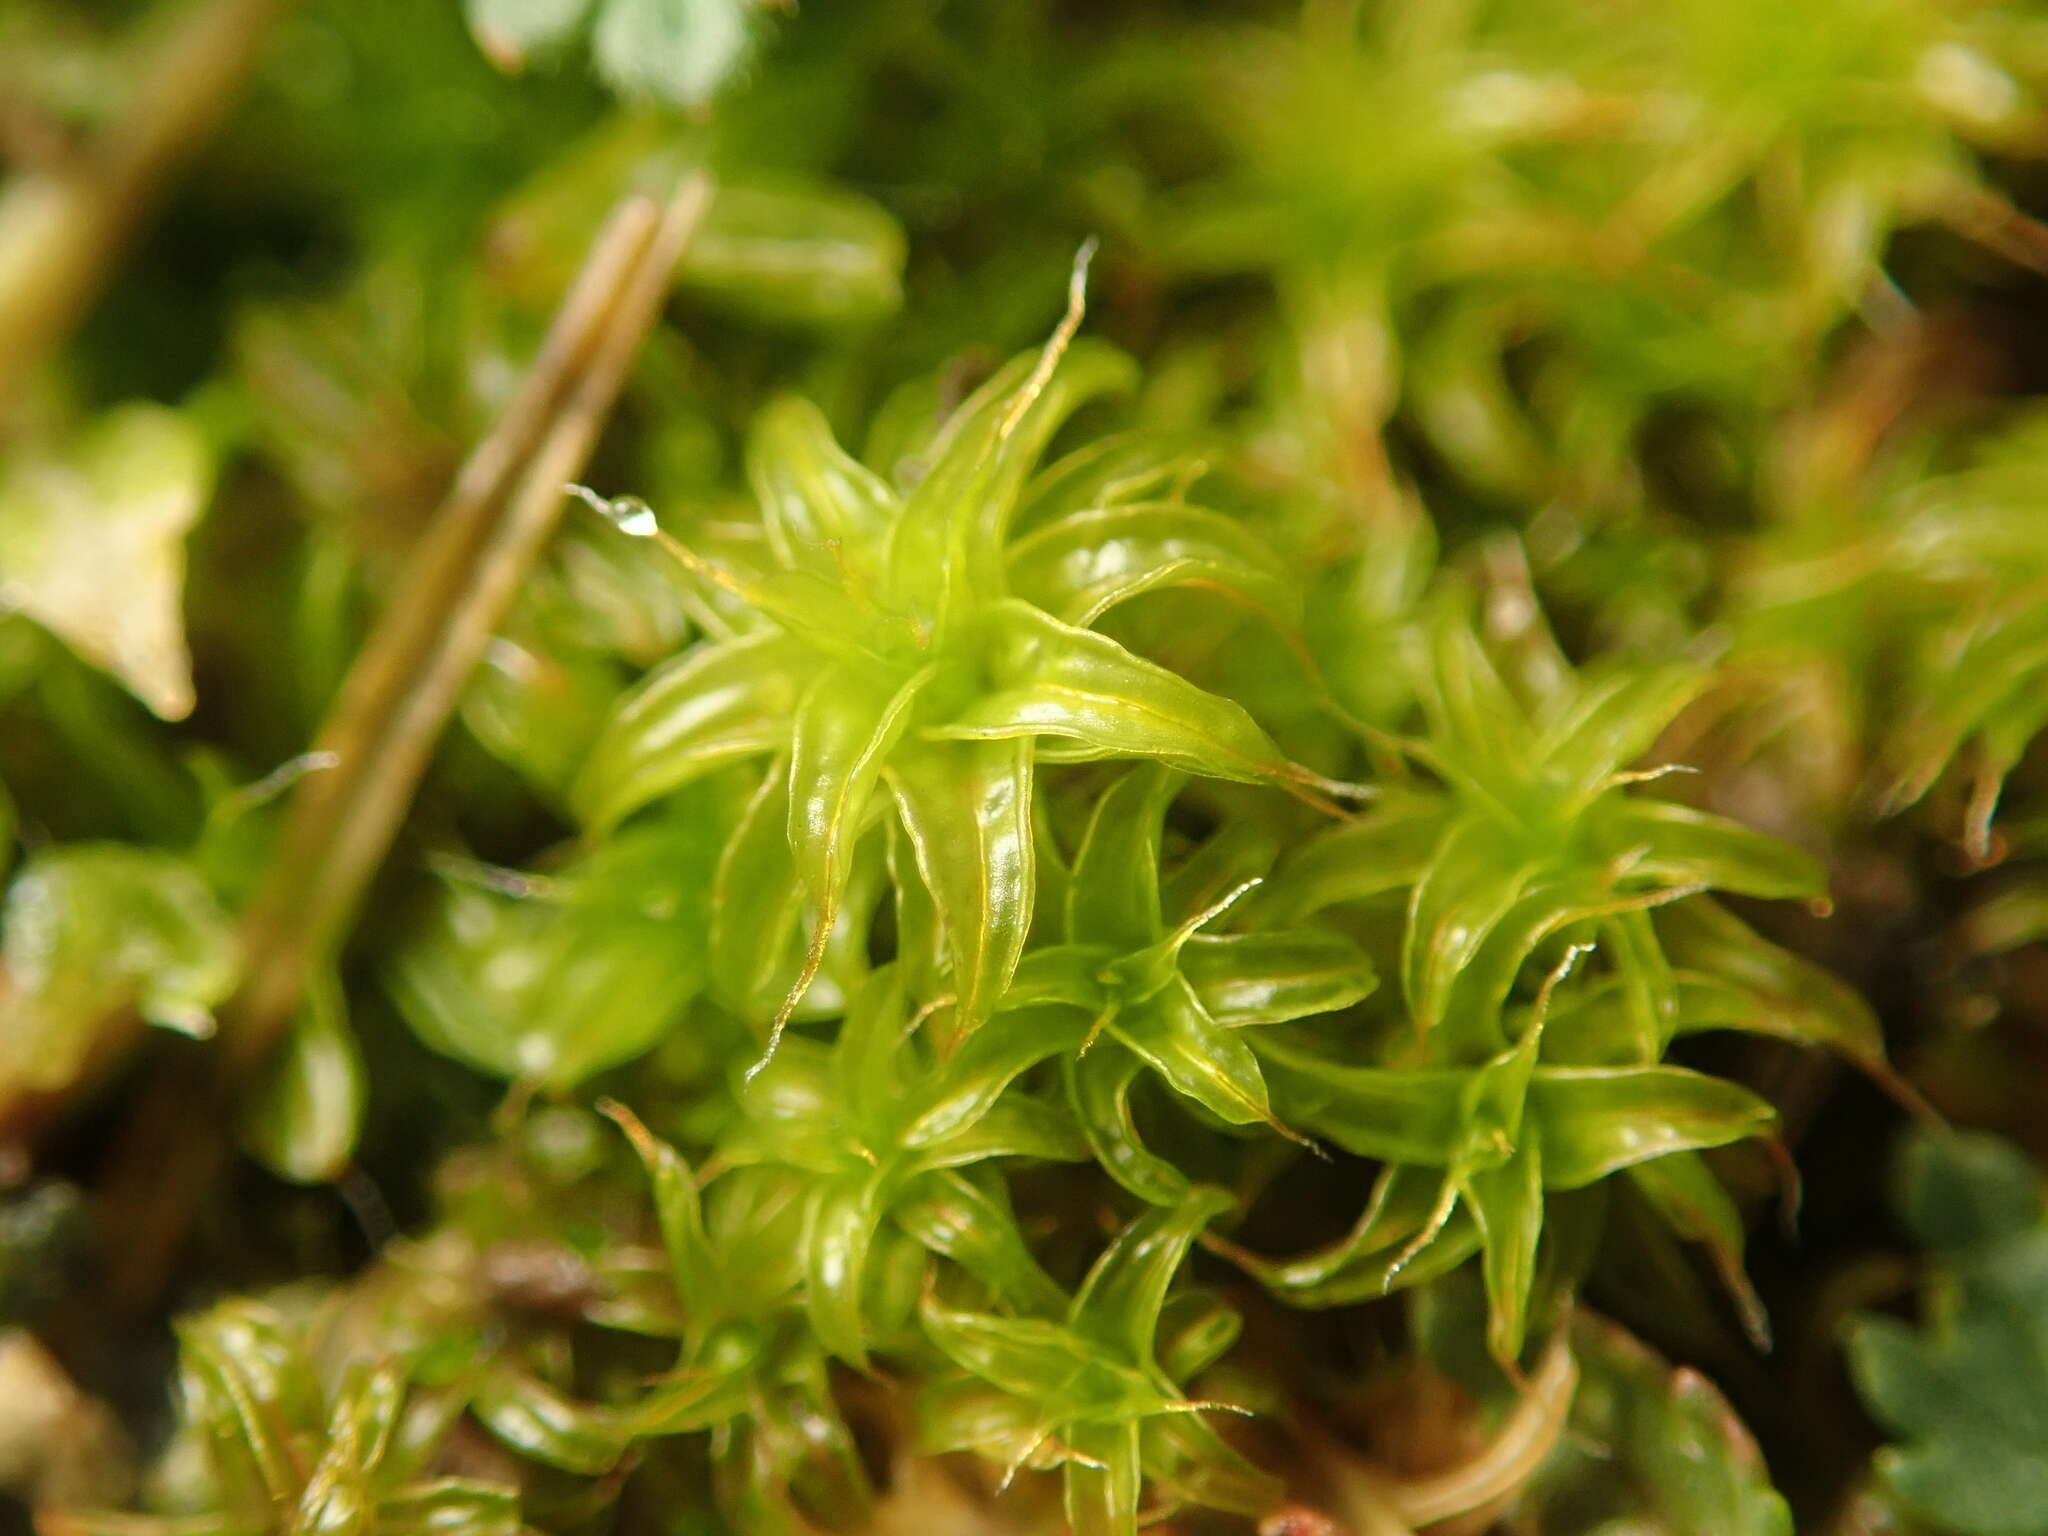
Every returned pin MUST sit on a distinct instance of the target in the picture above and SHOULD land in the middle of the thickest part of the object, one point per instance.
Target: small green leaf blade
(680, 1214)
(1102, 1493)
(1099, 1088)
(1506, 1202)
(436, 1506)
(1683, 1190)
(1114, 470)
(711, 705)
(537, 1421)
(1373, 1257)
(959, 1092)
(1195, 1054)
(89, 929)
(1964, 1190)
(250, 1389)
(1029, 1358)
(1113, 893)
(586, 970)
(824, 511)
(1088, 562)
(1120, 1300)
(1594, 1121)
(795, 251)
(966, 806)
(1682, 847)
(340, 1498)
(1731, 977)
(846, 728)
(839, 1231)
(1051, 679)
(1475, 876)
(1269, 978)
(1387, 848)
(956, 520)
(1398, 1115)
(970, 1222)
(1614, 719)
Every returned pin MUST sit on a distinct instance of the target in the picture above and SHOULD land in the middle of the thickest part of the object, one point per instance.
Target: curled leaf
(967, 809)
(1595, 1120)
(709, 706)
(1051, 679)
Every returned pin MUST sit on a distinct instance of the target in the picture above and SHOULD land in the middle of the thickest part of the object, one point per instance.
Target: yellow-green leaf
(92, 545)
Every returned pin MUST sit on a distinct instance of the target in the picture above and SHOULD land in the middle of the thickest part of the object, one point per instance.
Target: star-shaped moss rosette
(750, 1371)
(1493, 1142)
(1534, 846)
(750, 1374)
(893, 652)
(883, 1135)
(1165, 997)
(1097, 1393)
(282, 1451)
(1531, 833)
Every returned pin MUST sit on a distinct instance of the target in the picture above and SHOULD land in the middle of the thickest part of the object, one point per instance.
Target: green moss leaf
(970, 1222)
(539, 1422)
(1595, 1120)
(709, 706)
(840, 1224)
(1050, 679)
(822, 509)
(577, 972)
(966, 808)
(1198, 1056)
(89, 930)
(1099, 1087)
(302, 1119)
(795, 251)
(1684, 847)
(1086, 563)
(1245, 979)
(1113, 894)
